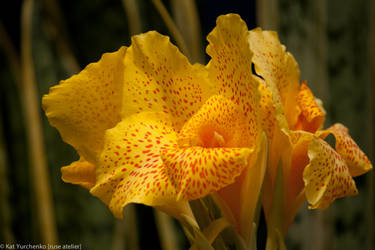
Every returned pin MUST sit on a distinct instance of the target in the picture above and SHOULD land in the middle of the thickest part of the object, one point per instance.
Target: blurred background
(45, 41)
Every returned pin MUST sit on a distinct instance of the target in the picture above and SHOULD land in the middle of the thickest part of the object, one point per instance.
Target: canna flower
(293, 120)
(151, 128)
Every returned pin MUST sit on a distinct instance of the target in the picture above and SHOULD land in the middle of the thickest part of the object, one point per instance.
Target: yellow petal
(85, 105)
(219, 123)
(312, 116)
(130, 168)
(327, 176)
(198, 171)
(160, 79)
(79, 172)
(299, 160)
(278, 68)
(238, 201)
(267, 111)
(230, 66)
(218, 135)
(357, 161)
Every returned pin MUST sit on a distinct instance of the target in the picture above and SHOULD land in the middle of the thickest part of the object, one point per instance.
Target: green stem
(132, 12)
(275, 240)
(172, 27)
(186, 16)
(167, 235)
(56, 30)
(30, 100)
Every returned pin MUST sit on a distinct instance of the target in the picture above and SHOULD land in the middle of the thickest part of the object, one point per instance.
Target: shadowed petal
(79, 172)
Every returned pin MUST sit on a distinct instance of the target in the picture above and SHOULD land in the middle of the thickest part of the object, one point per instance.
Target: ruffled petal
(160, 79)
(85, 105)
(278, 68)
(327, 176)
(357, 161)
(230, 66)
(198, 171)
(79, 172)
(219, 123)
(130, 168)
(312, 115)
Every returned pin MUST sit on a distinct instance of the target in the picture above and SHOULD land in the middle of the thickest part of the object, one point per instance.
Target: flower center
(218, 123)
(210, 138)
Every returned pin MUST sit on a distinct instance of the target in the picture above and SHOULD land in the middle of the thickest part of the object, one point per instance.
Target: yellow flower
(151, 128)
(292, 118)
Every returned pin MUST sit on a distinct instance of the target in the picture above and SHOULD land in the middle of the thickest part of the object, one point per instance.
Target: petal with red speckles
(230, 66)
(130, 168)
(79, 172)
(85, 105)
(160, 79)
(198, 171)
(219, 123)
(327, 176)
(357, 161)
(267, 111)
(299, 160)
(312, 115)
(279, 69)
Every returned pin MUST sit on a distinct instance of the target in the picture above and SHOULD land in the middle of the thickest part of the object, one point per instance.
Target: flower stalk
(176, 34)
(38, 162)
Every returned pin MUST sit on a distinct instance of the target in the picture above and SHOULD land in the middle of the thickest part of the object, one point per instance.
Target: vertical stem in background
(11, 53)
(268, 14)
(126, 230)
(320, 49)
(167, 234)
(5, 215)
(56, 30)
(370, 218)
(172, 27)
(322, 233)
(132, 12)
(31, 106)
(186, 15)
